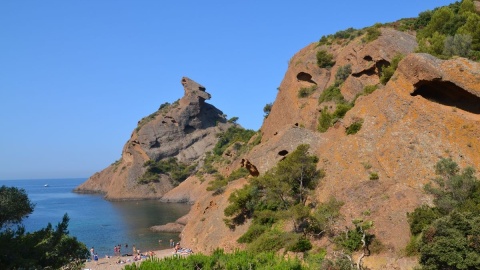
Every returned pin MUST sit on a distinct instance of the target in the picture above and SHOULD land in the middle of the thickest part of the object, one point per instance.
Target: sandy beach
(111, 263)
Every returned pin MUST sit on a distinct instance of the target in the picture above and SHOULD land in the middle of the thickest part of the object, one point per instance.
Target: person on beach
(177, 247)
(172, 244)
(92, 253)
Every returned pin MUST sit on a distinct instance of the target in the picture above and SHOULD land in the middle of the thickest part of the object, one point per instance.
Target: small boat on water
(46, 185)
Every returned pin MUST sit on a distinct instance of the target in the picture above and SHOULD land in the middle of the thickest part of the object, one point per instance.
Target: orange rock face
(429, 109)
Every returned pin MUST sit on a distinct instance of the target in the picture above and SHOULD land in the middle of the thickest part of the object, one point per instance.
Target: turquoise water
(95, 221)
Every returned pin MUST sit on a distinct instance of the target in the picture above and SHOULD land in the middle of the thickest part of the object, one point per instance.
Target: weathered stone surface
(185, 130)
(428, 110)
(365, 60)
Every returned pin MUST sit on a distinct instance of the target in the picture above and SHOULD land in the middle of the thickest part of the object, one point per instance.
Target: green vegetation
(177, 171)
(342, 74)
(306, 91)
(280, 196)
(340, 37)
(48, 248)
(325, 120)
(233, 120)
(372, 33)
(447, 235)
(232, 135)
(353, 239)
(232, 142)
(374, 176)
(219, 183)
(388, 71)
(325, 59)
(367, 90)
(331, 93)
(354, 127)
(450, 31)
(267, 109)
(221, 260)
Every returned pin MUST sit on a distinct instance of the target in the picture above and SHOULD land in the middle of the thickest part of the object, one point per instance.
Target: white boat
(46, 185)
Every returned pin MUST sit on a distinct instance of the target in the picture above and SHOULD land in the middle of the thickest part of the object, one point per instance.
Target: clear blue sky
(76, 76)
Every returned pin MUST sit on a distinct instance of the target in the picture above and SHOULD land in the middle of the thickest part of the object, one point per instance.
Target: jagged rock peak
(194, 90)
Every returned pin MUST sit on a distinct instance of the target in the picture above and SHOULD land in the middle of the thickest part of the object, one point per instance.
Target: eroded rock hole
(448, 94)
(303, 76)
(369, 72)
(155, 144)
(367, 58)
(188, 129)
(381, 64)
(283, 153)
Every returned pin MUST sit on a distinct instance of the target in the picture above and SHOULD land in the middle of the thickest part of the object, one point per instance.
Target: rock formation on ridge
(185, 130)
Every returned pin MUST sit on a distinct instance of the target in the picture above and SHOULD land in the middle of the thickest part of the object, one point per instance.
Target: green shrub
(459, 45)
(233, 120)
(450, 30)
(368, 89)
(331, 93)
(352, 239)
(387, 72)
(253, 232)
(220, 260)
(340, 36)
(218, 184)
(314, 260)
(325, 120)
(448, 233)
(232, 135)
(372, 33)
(341, 110)
(238, 173)
(301, 245)
(267, 109)
(306, 91)
(177, 171)
(374, 176)
(413, 246)
(421, 217)
(342, 74)
(354, 127)
(324, 59)
(273, 240)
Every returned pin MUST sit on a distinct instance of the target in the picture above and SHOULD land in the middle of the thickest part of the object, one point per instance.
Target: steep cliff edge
(184, 130)
(428, 110)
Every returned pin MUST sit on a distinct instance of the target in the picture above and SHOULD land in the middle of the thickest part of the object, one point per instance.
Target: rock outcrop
(429, 109)
(185, 130)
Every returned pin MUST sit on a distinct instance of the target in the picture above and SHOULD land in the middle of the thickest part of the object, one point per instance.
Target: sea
(96, 222)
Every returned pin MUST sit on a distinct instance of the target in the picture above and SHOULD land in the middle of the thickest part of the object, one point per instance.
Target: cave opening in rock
(303, 76)
(448, 94)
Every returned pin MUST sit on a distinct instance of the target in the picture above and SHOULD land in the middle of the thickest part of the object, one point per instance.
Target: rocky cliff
(429, 109)
(184, 130)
